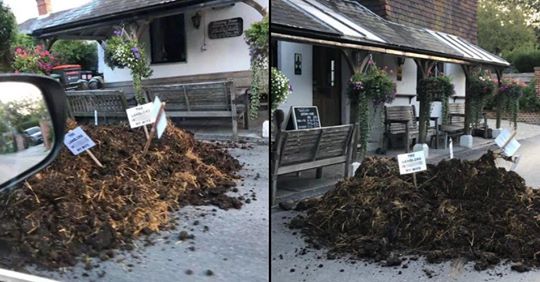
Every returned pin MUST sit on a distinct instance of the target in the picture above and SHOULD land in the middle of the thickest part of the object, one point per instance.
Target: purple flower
(357, 85)
(117, 32)
(136, 53)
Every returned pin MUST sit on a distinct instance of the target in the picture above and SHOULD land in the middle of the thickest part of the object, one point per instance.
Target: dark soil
(74, 209)
(469, 209)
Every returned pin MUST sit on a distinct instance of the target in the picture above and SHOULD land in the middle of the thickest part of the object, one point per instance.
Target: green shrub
(76, 52)
(525, 60)
(529, 102)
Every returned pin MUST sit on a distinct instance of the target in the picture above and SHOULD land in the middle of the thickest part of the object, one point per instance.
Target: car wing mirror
(32, 120)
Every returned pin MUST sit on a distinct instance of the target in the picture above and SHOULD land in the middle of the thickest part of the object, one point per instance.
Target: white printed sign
(162, 123)
(412, 162)
(78, 141)
(140, 115)
(512, 145)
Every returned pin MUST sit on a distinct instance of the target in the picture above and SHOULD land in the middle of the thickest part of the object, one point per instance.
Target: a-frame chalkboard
(303, 117)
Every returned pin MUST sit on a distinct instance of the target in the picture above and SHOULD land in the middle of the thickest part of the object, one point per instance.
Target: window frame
(152, 37)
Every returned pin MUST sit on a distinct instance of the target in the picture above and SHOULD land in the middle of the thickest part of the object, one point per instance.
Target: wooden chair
(400, 121)
(455, 125)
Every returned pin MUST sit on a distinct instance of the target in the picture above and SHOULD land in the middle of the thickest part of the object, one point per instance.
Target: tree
(8, 30)
(503, 28)
(83, 53)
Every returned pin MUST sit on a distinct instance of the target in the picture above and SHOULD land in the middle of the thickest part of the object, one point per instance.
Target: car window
(32, 130)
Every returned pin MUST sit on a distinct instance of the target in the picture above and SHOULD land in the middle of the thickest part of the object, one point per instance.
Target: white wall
(458, 78)
(221, 55)
(302, 85)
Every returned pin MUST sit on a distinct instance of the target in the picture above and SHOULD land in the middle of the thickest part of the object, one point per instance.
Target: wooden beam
(357, 46)
(356, 60)
(425, 69)
(255, 5)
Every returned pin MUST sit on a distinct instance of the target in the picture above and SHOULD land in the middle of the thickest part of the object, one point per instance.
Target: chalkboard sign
(304, 118)
(226, 28)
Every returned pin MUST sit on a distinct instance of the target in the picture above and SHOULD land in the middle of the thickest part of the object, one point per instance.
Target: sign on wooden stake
(156, 126)
(77, 141)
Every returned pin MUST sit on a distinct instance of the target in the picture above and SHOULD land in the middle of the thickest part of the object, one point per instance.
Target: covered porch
(337, 39)
(183, 41)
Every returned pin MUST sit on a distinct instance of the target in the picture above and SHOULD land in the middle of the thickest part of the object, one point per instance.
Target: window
(168, 39)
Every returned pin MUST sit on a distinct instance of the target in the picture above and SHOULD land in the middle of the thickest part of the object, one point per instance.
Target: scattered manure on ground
(75, 209)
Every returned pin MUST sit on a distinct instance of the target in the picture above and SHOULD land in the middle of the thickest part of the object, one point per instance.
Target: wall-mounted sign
(304, 118)
(226, 28)
(297, 63)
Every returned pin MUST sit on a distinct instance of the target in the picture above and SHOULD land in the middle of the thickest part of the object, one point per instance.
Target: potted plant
(375, 86)
(33, 60)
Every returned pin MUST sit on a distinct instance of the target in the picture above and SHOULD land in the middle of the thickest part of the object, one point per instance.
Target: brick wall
(537, 77)
(532, 118)
(456, 17)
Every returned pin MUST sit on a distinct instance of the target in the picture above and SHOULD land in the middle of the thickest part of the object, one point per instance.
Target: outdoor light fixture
(196, 20)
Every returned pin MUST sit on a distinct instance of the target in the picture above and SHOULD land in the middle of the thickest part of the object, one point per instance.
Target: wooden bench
(214, 99)
(298, 150)
(108, 103)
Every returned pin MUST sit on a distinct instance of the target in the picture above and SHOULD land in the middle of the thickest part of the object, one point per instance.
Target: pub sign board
(305, 117)
(226, 28)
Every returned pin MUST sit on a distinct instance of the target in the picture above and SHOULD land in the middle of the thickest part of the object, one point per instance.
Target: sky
(26, 9)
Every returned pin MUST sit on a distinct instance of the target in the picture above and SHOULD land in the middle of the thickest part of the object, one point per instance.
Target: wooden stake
(154, 127)
(508, 141)
(146, 133)
(94, 158)
(414, 180)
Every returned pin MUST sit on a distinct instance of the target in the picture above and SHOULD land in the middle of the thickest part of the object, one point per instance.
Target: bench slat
(310, 165)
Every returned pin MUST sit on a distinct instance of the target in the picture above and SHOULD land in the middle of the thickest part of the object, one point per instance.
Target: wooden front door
(327, 84)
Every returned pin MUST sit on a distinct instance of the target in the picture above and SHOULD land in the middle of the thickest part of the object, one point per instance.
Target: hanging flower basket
(373, 85)
(507, 98)
(123, 50)
(438, 88)
(280, 88)
(480, 86)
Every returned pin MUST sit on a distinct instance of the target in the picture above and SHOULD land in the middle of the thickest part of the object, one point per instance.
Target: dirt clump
(460, 209)
(74, 208)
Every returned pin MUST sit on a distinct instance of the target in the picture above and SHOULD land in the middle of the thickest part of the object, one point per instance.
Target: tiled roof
(93, 10)
(351, 21)
(295, 17)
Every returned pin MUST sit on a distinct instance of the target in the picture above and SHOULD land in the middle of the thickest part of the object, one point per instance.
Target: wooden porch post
(48, 42)
(467, 69)
(255, 5)
(357, 61)
(498, 71)
(425, 70)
